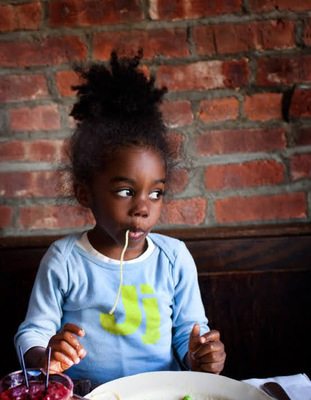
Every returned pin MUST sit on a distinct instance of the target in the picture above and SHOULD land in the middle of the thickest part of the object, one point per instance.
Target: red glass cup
(13, 386)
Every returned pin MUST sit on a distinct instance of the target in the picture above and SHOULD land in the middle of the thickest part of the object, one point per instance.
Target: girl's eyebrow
(160, 181)
(122, 179)
(117, 179)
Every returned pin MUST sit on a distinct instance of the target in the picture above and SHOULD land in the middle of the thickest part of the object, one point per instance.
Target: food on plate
(105, 396)
(204, 397)
(115, 396)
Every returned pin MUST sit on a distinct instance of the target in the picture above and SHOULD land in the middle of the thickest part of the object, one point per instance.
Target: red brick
(50, 51)
(176, 114)
(12, 151)
(177, 181)
(263, 106)
(27, 16)
(65, 80)
(236, 73)
(184, 212)
(275, 34)
(236, 38)
(240, 141)
(283, 70)
(261, 208)
(6, 213)
(184, 9)
(36, 119)
(93, 12)
(176, 141)
(300, 106)
(307, 33)
(293, 5)
(302, 137)
(48, 151)
(54, 217)
(204, 75)
(22, 87)
(300, 166)
(204, 40)
(253, 173)
(34, 151)
(165, 42)
(218, 109)
(28, 184)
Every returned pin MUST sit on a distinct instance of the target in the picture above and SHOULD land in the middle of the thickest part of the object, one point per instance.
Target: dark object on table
(81, 387)
(275, 390)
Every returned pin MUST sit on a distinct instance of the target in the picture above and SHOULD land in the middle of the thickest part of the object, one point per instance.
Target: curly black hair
(117, 106)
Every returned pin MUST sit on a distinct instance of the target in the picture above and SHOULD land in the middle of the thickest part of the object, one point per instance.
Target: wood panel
(255, 284)
(264, 319)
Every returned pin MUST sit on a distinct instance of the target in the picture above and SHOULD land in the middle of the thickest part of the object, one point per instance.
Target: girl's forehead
(129, 158)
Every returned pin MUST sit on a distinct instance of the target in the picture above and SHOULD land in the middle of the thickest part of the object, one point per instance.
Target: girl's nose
(140, 208)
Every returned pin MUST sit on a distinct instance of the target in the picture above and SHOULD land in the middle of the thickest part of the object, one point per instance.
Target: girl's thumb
(194, 339)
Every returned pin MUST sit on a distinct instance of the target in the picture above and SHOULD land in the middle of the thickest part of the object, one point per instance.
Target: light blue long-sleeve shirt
(149, 330)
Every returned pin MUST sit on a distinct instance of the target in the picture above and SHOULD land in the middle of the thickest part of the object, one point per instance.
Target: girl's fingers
(73, 341)
(211, 336)
(59, 362)
(72, 328)
(66, 348)
(210, 361)
(61, 358)
(210, 348)
(214, 368)
(199, 345)
(69, 332)
(69, 348)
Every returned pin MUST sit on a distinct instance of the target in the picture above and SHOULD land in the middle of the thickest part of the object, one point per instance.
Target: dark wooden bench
(255, 283)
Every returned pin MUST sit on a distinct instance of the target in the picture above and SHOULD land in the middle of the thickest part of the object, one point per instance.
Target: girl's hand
(206, 353)
(66, 350)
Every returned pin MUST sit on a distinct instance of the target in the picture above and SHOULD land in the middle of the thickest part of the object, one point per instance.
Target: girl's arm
(43, 318)
(188, 307)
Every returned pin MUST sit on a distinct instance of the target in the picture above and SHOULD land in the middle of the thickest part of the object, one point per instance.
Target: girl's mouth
(136, 235)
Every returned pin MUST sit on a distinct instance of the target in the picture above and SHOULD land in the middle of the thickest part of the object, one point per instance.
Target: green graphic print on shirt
(133, 315)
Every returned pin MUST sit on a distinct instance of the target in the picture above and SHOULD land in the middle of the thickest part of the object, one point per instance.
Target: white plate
(174, 385)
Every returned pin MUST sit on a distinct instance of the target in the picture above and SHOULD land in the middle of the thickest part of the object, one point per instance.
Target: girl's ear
(83, 194)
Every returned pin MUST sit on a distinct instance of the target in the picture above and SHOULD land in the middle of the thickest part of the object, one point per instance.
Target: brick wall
(239, 106)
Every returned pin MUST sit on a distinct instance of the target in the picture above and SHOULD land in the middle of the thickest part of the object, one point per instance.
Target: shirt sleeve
(44, 314)
(188, 307)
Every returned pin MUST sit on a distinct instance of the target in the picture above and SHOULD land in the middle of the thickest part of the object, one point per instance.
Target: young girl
(101, 319)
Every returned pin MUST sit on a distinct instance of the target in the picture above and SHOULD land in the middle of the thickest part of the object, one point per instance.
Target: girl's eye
(156, 195)
(125, 192)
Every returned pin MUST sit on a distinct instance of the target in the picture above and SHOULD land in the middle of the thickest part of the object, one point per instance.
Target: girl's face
(127, 195)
